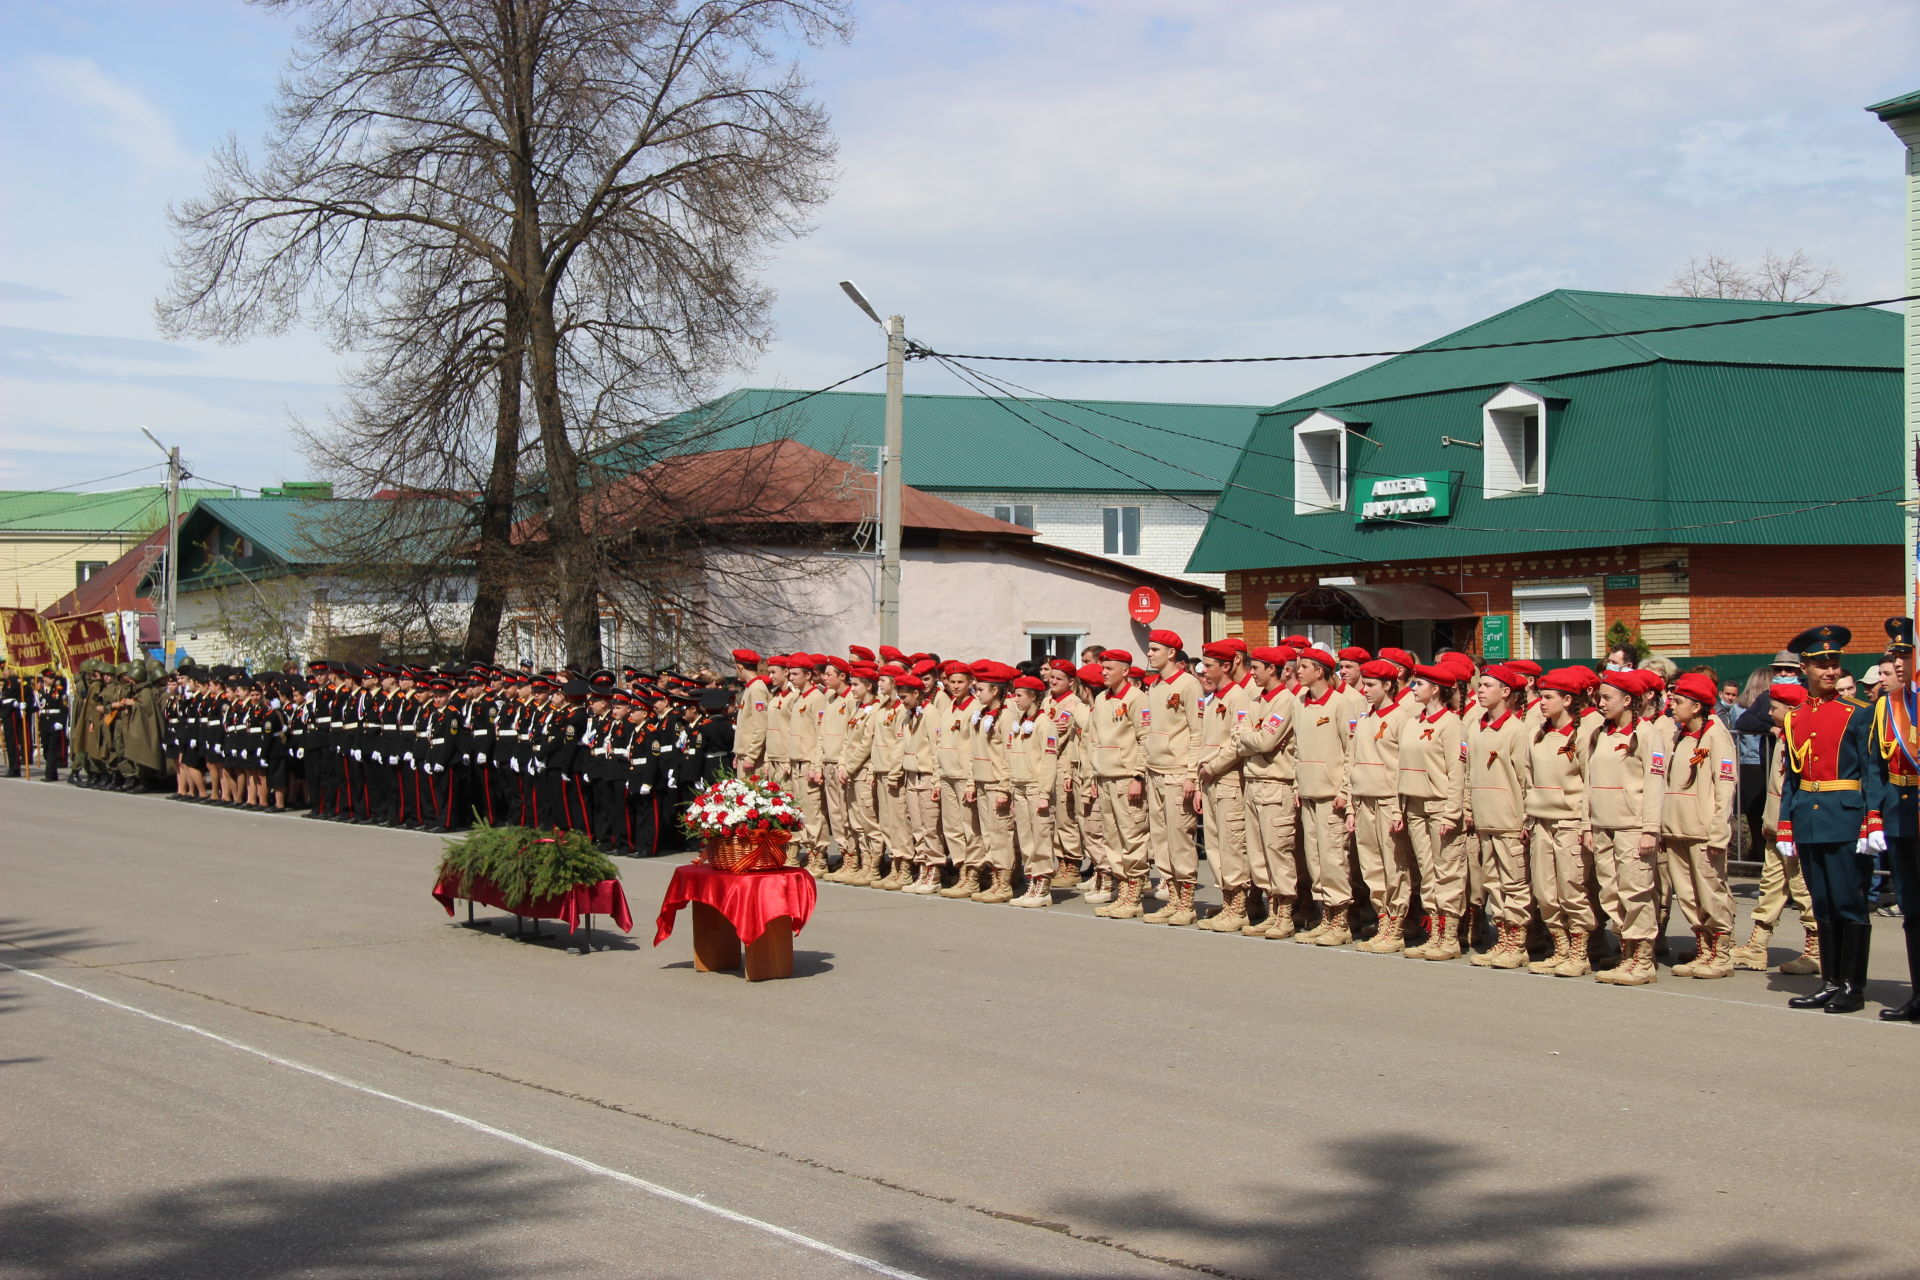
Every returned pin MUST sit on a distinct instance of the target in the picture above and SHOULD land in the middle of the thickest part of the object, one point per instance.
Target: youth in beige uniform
(1432, 778)
(750, 715)
(1373, 804)
(1696, 827)
(1321, 738)
(1033, 754)
(1498, 751)
(779, 695)
(835, 717)
(952, 736)
(860, 843)
(809, 784)
(919, 787)
(1172, 738)
(1222, 782)
(991, 790)
(1557, 819)
(1781, 879)
(889, 784)
(1120, 767)
(1101, 885)
(1268, 767)
(1068, 714)
(1626, 780)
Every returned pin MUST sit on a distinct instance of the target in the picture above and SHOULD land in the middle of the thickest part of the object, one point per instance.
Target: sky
(1120, 179)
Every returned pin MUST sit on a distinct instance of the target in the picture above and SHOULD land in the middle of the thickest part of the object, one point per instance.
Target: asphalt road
(252, 1046)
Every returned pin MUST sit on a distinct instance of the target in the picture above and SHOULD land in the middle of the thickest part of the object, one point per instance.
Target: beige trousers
(1442, 863)
(1386, 855)
(1093, 827)
(839, 829)
(1225, 804)
(922, 802)
(895, 833)
(1032, 829)
(1626, 878)
(1124, 823)
(813, 807)
(1781, 882)
(863, 815)
(1323, 831)
(958, 828)
(1503, 857)
(996, 827)
(1170, 828)
(1067, 846)
(1273, 813)
(1562, 876)
(1699, 880)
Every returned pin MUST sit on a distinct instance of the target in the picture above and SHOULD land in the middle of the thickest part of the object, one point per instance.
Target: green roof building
(52, 541)
(1713, 487)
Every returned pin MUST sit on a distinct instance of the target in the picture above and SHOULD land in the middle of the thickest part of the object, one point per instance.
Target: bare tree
(614, 169)
(1793, 278)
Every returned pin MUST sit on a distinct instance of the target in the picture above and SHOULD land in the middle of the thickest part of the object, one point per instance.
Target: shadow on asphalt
(29, 936)
(418, 1225)
(1402, 1207)
(805, 964)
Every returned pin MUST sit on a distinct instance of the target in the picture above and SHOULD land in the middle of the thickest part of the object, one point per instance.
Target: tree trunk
(493, 556)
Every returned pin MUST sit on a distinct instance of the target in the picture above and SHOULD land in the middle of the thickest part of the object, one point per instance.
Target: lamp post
(890, 455)
(170, 581)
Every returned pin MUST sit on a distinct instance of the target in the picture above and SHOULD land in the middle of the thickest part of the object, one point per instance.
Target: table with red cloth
(760, 909)
(607, 898)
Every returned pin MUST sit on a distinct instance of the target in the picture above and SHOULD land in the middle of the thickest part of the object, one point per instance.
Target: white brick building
(1155, 531)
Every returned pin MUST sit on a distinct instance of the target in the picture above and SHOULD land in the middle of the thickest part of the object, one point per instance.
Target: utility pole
(170, 581)
(893, 449)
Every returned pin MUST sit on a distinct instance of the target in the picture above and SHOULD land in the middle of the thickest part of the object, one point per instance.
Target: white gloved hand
(1860, 845)
(1877, 841)
(1785, 847)
(356, 753)
(646, 788)
(481, 758)
(437, 768)
(377, 759)
(514, 765)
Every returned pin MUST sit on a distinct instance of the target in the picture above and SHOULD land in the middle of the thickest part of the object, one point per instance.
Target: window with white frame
(1319, 464)
(1120, 531)
(1020, 513)
(1059, 642)
(1557, 622)
(1514, 443)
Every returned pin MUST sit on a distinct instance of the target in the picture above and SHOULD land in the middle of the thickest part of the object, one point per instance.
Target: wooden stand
(716, 947)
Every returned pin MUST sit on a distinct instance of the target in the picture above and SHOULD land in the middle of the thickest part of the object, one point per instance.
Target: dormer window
(1319, 464)
(1514, 443)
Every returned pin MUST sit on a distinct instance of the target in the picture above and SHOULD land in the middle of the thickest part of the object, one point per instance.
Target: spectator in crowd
(1753, 749)
(1623, 658)
(1847, 687)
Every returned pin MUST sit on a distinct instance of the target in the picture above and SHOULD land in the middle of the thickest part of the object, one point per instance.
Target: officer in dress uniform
(1830, 816)
(1896, 725)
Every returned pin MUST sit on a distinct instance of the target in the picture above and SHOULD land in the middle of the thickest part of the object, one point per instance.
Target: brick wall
(1169, 529)
(1753, 600)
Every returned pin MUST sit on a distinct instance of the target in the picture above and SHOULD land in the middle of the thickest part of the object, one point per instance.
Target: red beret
(1563, 680)
(1526, 667)
(746, 657)
(1061, 664)
(1652, 681)
(953, 666)
(1698, 687)
(1030, 682)
(1235, 643)
(1627, 682)
(1399, 657)
(1171, 639)
(840, 664)
(923, 666)
(864, 671)
(801, 661)
(1320, 656)
(1377, 670)
(909, 682)
(893, 669)
(1354, 653)
(1092, 673)
(1298, 642)
(1220, 650)
(1272, 654)
(892, 654)
(1116, 655)
(1506, 675)
(779, 660)
(1147, 679)
(993, 672)
(1792, 695)
(861, 652)
(1445, 677)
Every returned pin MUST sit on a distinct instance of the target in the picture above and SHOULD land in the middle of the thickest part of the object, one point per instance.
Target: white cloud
(117, 112)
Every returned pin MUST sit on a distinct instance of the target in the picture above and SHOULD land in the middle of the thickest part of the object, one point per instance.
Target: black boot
(1853, 969)
(1910, 1011)
(1830, 945)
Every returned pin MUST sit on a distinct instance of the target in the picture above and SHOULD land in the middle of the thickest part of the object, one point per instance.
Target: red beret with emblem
(955, 667)
(1445, 677)
(1698, 687)
(909, 682)
(861, 652)
(1092, 673)
(1563, 680)
(892, 654)
(840, 664)
(1034, 683)
(1378, 670)
(1274, 655)
(1116, 655)
(1171, 639)
(746, 657)
(1399, 657)
(801, 661)
(1526, 667)
(1320, 656)
(1506, 675)
(1354, 653)
(1790, 695)
(1220, 650)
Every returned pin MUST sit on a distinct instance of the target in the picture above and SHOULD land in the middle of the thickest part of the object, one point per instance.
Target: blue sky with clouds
(1122, 179)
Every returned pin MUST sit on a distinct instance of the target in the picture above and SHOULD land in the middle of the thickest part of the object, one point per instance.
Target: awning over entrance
(1398, 602)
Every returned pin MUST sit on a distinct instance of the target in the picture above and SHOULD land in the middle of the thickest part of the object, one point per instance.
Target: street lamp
(170, 582)
(890, 454)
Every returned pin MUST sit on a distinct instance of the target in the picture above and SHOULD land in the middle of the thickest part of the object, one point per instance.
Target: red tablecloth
(748, 899)
(604, 899)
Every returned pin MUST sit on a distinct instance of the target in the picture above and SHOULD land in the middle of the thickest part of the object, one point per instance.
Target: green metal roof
(1642, 447)
(290, 534)
(962, 442)
(1904, 105)
(137, 510)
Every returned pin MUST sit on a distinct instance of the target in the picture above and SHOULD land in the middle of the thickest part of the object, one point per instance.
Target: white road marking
(478, 1126)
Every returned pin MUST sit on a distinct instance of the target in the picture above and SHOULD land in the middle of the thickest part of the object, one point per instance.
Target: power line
(102, 536)
(81, 484)
(754, 417)
(917, 351)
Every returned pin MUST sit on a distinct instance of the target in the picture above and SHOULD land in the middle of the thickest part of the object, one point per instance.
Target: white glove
(514, 765)
(646, 788)
(1785, 847)
(436, 768)
(377, 759)
(409, 757)
(1877, 841)
(481, 758)
(356, 753)
(1860, 846)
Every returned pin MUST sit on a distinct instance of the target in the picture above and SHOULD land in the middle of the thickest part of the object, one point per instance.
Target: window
(84, 569)
(1558, 622)
(1020, 513)
(1045, 645)
(1514, 443)
(1120, 531)
(1319, 464)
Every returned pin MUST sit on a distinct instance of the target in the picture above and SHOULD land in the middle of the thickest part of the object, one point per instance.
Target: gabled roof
(1904, 105)
(135, 510)
(121, 586)
(292, 534)
(1840, 339)
(964, 442)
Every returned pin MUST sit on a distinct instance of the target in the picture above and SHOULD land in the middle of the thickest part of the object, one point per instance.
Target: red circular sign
(1143, 604)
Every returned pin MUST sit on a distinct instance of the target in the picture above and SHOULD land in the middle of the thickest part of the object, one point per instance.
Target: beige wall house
(51, 542)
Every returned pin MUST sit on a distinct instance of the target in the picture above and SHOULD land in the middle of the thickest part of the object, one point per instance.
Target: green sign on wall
(1623, 581)
(1495, 639)
(1426, 496)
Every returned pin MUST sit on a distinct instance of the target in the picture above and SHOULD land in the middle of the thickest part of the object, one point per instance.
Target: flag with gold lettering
(29, 648)
(85, 636)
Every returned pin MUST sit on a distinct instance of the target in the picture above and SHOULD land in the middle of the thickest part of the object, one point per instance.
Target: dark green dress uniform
(1829, 805)
(1896, 737)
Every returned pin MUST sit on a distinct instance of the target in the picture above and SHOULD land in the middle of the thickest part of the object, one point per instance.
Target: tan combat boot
(1419, 951)
(1716, 961)
(1808, 961)
(1232, 915)
(927, 881)
(1334, 931)
(1510, 952)
(817, 863)
(1183, 912)
(1752, 954)
(1307, 936)
(1127, 905)
(1577, 964)
(900, 874)
(1039, 892)
(1444, 942)
(999, 886)
(1635, 968)
(839, 874)
(966, 883)
(1165, 914)
(1102, 890)
(1702, 954)
(1389, 938)
(1279, 922)
(1066, 875)
(1558, 958)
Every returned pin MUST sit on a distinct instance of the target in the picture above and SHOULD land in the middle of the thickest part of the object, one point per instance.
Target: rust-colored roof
(116, 588)
(781, 482)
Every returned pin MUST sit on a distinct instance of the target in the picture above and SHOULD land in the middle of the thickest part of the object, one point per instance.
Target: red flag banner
(84, 636)
(28, 645)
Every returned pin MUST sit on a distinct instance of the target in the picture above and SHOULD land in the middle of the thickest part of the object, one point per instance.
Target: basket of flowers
(742, 823)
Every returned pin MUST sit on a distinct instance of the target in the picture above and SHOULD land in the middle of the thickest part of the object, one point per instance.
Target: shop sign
(1496, 643)
(1623, 582)
(1426, 496)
